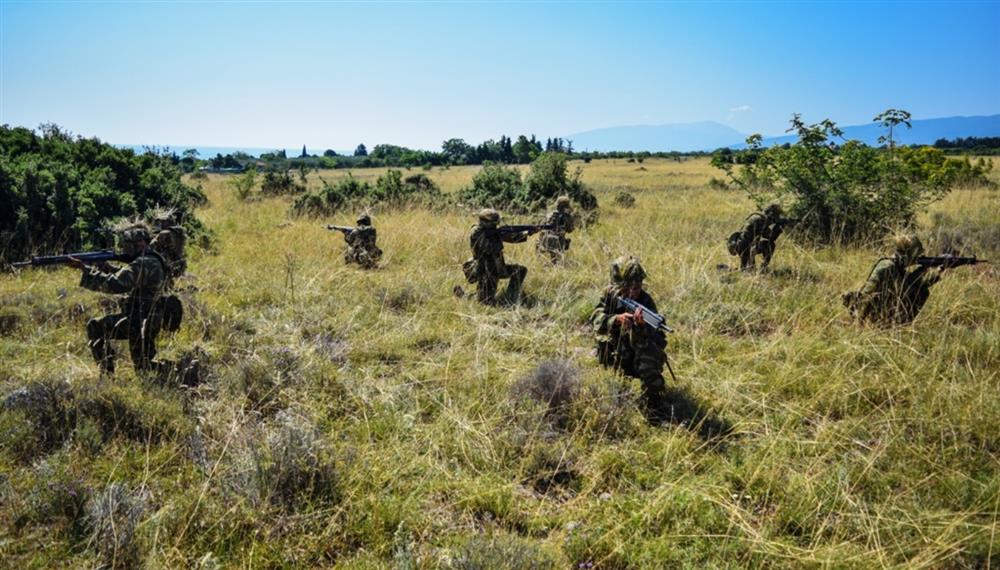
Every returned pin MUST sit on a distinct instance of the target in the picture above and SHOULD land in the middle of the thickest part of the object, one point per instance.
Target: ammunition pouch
(471, 270)
(733, 243)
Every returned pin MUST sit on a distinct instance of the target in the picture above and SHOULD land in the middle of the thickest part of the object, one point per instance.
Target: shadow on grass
(682, 408)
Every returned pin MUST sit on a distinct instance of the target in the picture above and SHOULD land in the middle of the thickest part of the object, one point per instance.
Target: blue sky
(331, 75)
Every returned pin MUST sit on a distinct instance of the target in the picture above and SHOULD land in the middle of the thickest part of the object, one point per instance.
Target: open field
(372, 420)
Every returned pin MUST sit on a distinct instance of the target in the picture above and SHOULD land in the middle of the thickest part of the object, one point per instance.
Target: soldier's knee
(94, 329)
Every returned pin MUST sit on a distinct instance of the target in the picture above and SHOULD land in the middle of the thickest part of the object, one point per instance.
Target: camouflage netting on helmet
(627, 269)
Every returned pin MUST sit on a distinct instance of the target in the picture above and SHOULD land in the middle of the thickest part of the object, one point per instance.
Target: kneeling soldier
(361, 248)
(758, 236)
(624, 342)
(140, 284)
(892, 294)
(487, 266)
(554, 243)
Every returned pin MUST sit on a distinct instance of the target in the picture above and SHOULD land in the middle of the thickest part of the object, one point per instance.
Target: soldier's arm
(603, 321)
(116, 283)
(874, 283)
(515, 237)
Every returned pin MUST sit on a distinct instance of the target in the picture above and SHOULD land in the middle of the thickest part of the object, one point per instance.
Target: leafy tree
(890, 119)
(457, 151)
(845, 192)
(57, 192)
(329, 153)
(361, 150)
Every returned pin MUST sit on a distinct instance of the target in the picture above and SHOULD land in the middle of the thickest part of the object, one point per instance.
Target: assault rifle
(87, 257)
(530, 228)
(947, 261)
(343, 229)
(652, 319)
(787, 221)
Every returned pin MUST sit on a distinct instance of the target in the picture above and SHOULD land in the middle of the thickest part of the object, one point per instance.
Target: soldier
(757, 237)
(554, 243)
(140, 284)
(169, 243)
(361, 248)
(487, 266)
(892, 294)
(624, 342)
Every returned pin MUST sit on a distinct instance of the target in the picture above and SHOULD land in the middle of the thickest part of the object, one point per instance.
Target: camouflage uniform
(636, 351)
(487, 257)
(758, 237)
(140, 283)
(554, 243)
(169, 243)
(893, 295)
(361, 248)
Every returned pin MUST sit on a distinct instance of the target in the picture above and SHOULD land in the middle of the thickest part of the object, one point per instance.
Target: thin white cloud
(733, 111)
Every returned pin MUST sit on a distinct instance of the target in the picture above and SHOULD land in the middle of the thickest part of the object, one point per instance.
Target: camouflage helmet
(562, 202)
(489, 215)
(773, 210)
(908, 246)
(627, 269)
(134, 233)
(364, 220)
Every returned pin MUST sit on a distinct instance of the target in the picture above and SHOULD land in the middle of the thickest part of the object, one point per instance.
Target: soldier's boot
(746, 260)
(486, 291)
(654, 398)
(517, 275)
(100, 347)
(766, 249)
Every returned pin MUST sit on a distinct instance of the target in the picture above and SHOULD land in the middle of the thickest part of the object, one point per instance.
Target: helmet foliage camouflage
(908, 246)
(773, 210)
(627, 270)
(562, 202)
(164, 215)
(489, 215)
(364, 220)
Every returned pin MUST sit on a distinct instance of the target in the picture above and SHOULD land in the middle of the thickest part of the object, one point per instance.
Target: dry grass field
(358, 419)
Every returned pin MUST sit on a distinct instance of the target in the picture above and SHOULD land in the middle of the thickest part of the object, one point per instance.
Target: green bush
(390, 189)
(279, 183)
(501, 187)
(58, 192)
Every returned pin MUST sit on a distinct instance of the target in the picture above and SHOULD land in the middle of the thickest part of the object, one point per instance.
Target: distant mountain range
(709, 135)
(682, 137)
